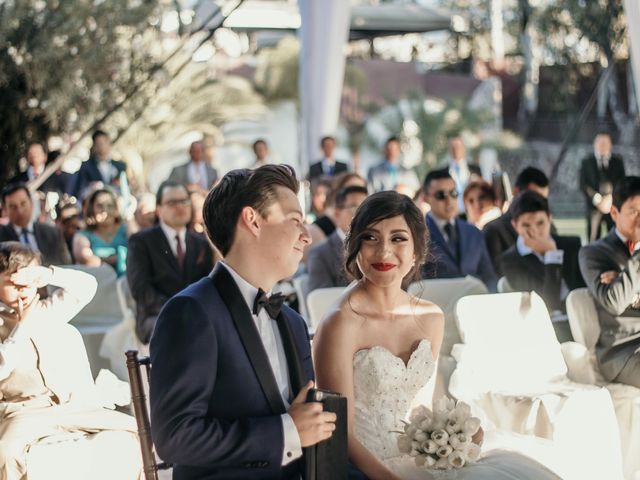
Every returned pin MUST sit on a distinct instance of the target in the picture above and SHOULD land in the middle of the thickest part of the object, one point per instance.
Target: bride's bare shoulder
(340, 321)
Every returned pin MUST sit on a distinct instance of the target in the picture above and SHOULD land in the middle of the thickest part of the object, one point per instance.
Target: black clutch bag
(328, 460)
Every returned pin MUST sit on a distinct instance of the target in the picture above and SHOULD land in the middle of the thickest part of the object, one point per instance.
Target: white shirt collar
(247, 290)
(29, 228)
(341, 235)
(523, 249)
(625, 239)
(171, 233)
(441, 222)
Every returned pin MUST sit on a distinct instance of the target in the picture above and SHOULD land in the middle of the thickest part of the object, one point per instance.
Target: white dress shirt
(552, 257)
(33, 243)
(197, 173)
(270, 335)
(170, 233)
(328, 166)
(32, 174)
(107, 170)
(625, 239)
(440, 223)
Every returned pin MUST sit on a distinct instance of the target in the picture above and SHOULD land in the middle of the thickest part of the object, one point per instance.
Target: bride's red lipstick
(383, 267)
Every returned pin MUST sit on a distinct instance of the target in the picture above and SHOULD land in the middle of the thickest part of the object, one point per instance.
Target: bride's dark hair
(381, 206)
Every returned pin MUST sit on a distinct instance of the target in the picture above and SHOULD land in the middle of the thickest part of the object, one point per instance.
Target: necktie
(271, 304)
(179, 252)
(25, 237)
(452, 235)
(631, 246)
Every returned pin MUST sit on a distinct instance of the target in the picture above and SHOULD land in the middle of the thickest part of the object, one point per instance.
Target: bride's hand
(478, 437)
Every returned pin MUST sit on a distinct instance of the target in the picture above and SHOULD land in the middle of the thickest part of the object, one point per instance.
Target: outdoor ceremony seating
(583, 320)
(318, 303)
(511, 370)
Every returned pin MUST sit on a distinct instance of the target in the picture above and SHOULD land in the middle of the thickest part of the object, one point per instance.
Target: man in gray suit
(326, 259)
(197, 173)
(390, 173)
(611, 269)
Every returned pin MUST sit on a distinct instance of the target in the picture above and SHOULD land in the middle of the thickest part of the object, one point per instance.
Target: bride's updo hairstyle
(381, 206)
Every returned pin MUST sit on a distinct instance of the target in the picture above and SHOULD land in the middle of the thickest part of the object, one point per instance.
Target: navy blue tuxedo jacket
(89, 173)
(212, 415)
(474, 258)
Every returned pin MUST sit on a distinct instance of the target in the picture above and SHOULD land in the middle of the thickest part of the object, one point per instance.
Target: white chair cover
(300, 285)
(512, 372)
(503, 285)
(319, 302)
(585, 328)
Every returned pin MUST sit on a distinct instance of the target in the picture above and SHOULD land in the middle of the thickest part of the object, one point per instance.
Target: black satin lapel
(296, 376)
(249, 335)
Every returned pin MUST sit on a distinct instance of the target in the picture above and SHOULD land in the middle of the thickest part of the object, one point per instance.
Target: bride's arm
(334, 345)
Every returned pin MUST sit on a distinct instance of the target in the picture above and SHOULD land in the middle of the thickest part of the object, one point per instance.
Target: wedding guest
(229, 384)
(460, 169)
(37, 160)
(611, 269)
(325, 261)
(599, 172)
(43, 238)
(196, 173)
(390, 172)
(104, 239)
(261, 151)
(458, 248)
(379, 346)
(499, 234)
(68, 222)
(480, 204)
(322, 211)
(145, 213)
(166, 258)
(196, 224)
(541, 261)
(348, 179)
(45, 384)
(100, 167)
(327, 166)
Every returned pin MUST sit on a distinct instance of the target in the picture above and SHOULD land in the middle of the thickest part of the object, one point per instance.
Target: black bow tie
(271, 304)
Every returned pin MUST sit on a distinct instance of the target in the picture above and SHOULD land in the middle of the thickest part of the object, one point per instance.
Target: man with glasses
(456, 248)
(326, 260)
(164, 259)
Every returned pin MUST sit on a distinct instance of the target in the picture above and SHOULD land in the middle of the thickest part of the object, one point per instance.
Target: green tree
(64, 63)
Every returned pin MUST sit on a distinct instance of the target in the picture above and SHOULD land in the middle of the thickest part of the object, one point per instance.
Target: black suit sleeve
(62, 250)
(618, 295)
(185, 357)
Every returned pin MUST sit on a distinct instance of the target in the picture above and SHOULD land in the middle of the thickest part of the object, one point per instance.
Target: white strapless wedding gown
(386, 390)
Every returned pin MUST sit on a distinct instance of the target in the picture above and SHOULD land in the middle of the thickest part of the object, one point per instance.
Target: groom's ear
(249, 219)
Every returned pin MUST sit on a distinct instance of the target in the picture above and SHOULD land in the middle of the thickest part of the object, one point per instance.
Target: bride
(380, 344)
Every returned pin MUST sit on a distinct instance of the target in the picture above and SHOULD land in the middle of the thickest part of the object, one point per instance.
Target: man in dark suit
(231, 365)
(456, 248)
(599, 172)
(327, 166)
(46, 239)
(390, 174)
(611, 269)
(540, 261)
(499, 234)
(166, 258)
(100, 167)
(326, 260)
(37, 160)
(459, 167)
(197, 173)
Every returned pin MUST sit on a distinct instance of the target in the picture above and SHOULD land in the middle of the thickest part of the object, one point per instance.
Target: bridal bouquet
(441, 438)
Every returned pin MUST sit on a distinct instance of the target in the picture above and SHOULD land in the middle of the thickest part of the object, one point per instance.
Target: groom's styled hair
(243, 188)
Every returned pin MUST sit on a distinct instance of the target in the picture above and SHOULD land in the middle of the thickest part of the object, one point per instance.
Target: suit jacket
(474, 258)
(180, 174)
(53, 248)
(617, 303)
(59, 182)
(380, 179)
(315, 170)
(325, 264)
(215, 404)
(592, 179)
(89, 172)
(526, 273)
(154, 275)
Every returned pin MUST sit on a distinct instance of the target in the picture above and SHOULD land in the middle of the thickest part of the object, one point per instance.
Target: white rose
(457, 459)
(419, 411)
(460, 441)
(426, 424)
(444, 451)
(473, 452)
(441, 437)
(414, 453)
(453, 426)
(404, 444)
(415, 445)
(420, 436)
(461, 412)
(429, 446)
(410, 430)
(420, 460)
(430, 461)
(443, 406)
(442, 464)
(471, 426)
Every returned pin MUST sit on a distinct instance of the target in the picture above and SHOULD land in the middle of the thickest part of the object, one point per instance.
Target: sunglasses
(442, 194)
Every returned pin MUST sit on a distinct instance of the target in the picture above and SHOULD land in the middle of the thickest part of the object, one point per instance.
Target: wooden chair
(141, 412)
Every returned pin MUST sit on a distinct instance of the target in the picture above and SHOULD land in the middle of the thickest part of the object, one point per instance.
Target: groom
(231, 370)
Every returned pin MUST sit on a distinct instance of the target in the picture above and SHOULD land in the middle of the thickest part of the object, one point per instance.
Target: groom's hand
(312, 423)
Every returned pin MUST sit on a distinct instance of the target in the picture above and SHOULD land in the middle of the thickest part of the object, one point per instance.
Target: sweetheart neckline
(385, 349)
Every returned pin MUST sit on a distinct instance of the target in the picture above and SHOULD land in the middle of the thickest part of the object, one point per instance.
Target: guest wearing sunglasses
(457, 247)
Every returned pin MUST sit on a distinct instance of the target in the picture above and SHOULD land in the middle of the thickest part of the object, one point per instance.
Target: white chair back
(300, 286)
(583, 318)
(445, 292)
(104, 309)
(503, 286)
(318, 302)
